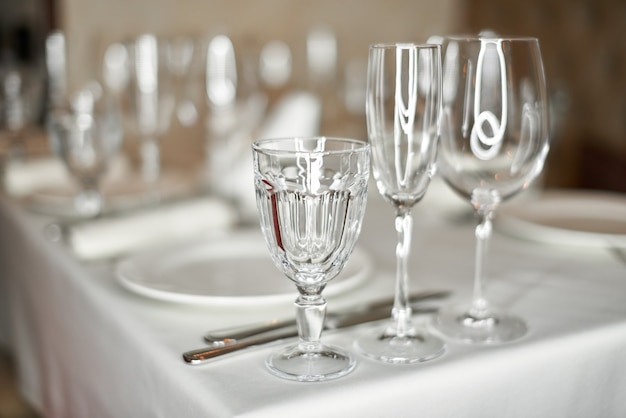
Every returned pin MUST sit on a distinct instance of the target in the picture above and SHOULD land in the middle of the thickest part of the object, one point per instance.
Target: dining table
(88, 344)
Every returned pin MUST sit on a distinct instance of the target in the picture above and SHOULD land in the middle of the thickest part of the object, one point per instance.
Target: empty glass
(403, 108)
(311, 195)
(235, 109)
(494, 140)
(20, 106)
(153, 100)
(86, 134)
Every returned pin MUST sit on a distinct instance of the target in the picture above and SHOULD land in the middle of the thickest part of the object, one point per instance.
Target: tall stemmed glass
(311, 195)
(153, 99)
(494, 141)
(20, 104)
(86, 134)
(403, 109)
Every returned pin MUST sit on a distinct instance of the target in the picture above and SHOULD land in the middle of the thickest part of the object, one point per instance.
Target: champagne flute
(153, 100)
(403, 109)
(494, 141)
(311, 195)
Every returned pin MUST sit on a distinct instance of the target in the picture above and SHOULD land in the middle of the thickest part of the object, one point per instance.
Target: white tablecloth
(87, 347)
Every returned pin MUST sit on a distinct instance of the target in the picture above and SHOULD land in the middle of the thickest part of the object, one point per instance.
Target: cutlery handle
(195, 357)
(202, 355)
(230, 335)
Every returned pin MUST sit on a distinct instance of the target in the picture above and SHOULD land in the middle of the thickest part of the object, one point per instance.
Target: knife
(231, 335)
(336, 321)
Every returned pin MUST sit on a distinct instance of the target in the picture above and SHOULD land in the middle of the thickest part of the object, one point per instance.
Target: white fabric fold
(72, 321)
(23, 178)
(297, 114)
(115, 236)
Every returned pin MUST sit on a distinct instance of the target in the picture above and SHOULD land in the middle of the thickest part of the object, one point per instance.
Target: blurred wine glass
(276, 66)
(180, 54)
(116, 69)
(20, 107)
(86, 133)
(153, 100)
(235, 108)
(56, 67)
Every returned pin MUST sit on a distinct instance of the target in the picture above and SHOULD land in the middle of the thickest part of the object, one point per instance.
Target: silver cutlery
(231, 335)
(252, 336)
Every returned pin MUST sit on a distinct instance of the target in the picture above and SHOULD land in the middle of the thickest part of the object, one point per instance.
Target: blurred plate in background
(234, 271)
(579, 218)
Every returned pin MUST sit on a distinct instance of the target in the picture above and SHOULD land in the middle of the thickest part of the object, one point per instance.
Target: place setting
(98, 198)
(86, 172)
(94, 202)
(390, 209)
(312, 192)
(482, 134)
(311, 196)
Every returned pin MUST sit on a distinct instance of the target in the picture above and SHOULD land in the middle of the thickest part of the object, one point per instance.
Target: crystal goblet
(311, 196)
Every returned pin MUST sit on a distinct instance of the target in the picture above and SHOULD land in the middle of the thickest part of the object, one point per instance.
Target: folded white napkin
(111, 237)
(23, 178)
(298, 114)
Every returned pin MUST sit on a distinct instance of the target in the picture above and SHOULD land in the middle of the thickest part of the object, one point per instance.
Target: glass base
(413, 347)
(316, 363)
(491, 328)
(88, 203)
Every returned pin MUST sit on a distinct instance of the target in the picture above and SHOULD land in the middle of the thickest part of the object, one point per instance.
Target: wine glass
(20, 106)
(311, 195)
(153, 100)
(235, 109)
(403, 109)
(494, 140)
(86, 133)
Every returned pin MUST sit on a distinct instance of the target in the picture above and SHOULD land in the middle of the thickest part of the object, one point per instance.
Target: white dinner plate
(232, 270)
(579, 218)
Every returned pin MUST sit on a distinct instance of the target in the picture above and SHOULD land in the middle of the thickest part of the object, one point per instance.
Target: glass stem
(89, 200)
(401, 310)
(150, 160)
(310, 316)
(18, 149)
(479, 307)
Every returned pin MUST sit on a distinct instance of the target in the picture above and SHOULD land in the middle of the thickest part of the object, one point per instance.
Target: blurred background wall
(90, 24)
(583, 44)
